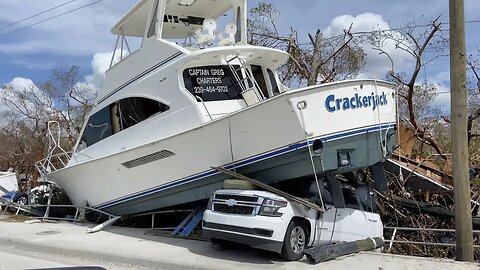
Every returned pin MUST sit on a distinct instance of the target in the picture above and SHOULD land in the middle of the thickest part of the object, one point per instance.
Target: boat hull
(269, 170)
(267, 141)
(8, 181)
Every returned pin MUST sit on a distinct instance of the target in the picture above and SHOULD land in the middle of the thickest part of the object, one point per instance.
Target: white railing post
(47, 211)
(392, 239)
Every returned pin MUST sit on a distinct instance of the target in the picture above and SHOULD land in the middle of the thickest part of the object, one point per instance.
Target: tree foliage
(313, 59)
(23, 134)
(417, 95)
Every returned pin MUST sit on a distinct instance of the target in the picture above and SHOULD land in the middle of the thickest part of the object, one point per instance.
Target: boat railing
(204, 106)
(404, 241)
(80, 211)
(121, 49)
(57, 157)
(53, 163)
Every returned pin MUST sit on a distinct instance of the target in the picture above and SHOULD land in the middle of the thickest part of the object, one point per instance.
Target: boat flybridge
(196, 95)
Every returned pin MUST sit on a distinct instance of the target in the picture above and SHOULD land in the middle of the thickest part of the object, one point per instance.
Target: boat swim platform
(118, 247)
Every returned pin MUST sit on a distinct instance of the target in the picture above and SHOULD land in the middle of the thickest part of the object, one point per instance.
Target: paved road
(29, 246)
(11, 261)
(12, 258)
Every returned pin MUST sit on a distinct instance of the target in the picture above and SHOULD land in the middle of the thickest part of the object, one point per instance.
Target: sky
(82, 38)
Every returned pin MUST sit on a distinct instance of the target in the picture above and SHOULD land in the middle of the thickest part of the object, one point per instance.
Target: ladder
(250, 90)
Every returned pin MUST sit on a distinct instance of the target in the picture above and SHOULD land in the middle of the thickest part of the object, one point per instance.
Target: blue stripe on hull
(245, 162)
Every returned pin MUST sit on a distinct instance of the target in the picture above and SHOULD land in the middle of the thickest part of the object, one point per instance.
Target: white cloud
(362, 22)
(22, 100)
(26, 87)
(442, 83)
(18, 84)
(377, 65)
(100, 64)
(79, 33)
(442, 100)
(33, 65)
(89, 88)
(86, 89)
(83, 92)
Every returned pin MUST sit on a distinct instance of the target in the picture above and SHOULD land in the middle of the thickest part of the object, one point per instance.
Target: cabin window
(118, 116)
(273, 82)
(211, 83)
(98, 128)
(260, 79)
(131, 111)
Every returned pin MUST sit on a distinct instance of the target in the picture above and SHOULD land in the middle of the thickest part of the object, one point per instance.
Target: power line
(35, 15)
(389, 30)
(472, 21)
(51, 18)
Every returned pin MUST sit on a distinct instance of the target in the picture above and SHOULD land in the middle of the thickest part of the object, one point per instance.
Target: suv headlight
(210, 203)
(270, 207)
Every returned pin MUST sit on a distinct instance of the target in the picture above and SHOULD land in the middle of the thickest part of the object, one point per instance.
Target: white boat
(8, 181)
(196, 95)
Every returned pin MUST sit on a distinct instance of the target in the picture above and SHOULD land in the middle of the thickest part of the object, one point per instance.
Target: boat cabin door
(256, 82)
(266, 80)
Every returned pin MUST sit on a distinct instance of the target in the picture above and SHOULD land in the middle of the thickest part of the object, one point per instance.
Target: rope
(384, 146)
(231, 146)
(300, 108)
(400, 174)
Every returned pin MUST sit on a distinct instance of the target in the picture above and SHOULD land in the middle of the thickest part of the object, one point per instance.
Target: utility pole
(458, 81)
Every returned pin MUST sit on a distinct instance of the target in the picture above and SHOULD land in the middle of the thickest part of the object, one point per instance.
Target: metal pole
(47, 211)
(463, 215)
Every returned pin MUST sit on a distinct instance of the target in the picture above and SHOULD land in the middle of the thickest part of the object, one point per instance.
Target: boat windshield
(211, 83)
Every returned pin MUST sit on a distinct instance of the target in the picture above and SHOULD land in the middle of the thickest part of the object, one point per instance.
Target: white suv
(267, 221)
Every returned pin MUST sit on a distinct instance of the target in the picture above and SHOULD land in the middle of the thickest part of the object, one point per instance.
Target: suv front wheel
(295, 241)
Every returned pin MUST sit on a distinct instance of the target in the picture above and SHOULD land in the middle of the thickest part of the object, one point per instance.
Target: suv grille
(236, 197)
(235, 209)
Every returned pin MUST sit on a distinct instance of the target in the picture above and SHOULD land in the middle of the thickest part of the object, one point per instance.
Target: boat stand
(190, 222)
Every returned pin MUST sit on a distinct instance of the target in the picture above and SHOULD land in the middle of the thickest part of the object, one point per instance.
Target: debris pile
(428, 214)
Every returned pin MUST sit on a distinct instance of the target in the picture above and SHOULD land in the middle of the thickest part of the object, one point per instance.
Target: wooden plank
(423, 207)
(271, 189)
